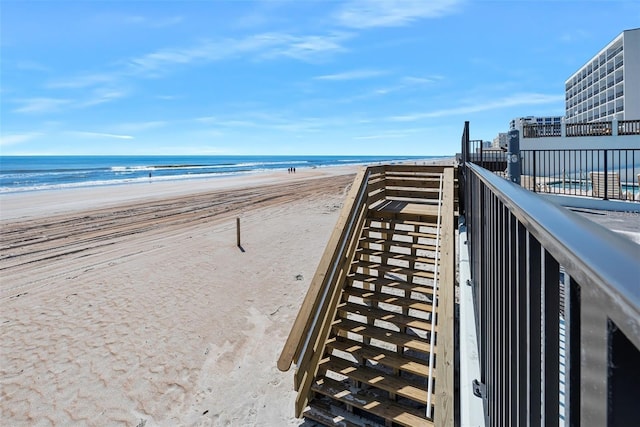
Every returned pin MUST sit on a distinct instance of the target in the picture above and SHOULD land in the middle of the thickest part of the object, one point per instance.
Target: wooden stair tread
(397, 243)
(394, 255)
(390, 283)
(432, 182)
(400, 222)
(409, 207)
(377, 378)
(387, 358)
(396, 338)
(372, 296)
(374, 229)
(403, 214)
(376, 405)
(326, 414)
(406, 271)
(398, 319)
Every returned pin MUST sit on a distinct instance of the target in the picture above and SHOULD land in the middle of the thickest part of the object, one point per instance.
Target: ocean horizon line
(42, 173)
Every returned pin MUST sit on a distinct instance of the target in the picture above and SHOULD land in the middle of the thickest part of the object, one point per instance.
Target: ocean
(41, 173)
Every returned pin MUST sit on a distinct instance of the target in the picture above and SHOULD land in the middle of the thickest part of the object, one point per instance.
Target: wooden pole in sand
(238, 230)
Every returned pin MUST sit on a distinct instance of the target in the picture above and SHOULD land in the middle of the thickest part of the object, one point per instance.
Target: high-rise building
(519, 122)
(500, 141)
(608, 85)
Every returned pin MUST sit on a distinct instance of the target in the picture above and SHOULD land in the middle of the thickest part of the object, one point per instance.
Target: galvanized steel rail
(518, 244)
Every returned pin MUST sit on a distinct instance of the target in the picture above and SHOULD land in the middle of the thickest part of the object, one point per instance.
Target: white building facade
(519, 122)
(608, 85)
(500, 141)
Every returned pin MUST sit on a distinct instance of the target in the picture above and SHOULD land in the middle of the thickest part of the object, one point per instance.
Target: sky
(286, 77)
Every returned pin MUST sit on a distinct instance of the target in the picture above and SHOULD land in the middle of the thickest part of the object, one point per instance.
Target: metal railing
(608, 174)
(539, 365)
(599, 173)
(629, 127)
(541, 130)
(604, 128)
(589, 129)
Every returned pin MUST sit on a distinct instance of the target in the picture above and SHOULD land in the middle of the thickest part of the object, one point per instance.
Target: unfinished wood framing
(373, 334)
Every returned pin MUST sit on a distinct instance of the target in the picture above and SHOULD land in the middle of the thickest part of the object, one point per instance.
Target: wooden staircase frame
(403, 190)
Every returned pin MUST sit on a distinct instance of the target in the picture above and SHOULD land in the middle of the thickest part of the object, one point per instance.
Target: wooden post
(238, 230)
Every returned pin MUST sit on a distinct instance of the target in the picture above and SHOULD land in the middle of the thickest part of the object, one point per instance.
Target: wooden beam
(311, 301)
(444, 402)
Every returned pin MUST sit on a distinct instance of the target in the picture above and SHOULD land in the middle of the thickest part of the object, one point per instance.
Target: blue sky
(286, 77)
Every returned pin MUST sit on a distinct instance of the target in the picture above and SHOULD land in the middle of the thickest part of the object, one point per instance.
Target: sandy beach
(133, 306)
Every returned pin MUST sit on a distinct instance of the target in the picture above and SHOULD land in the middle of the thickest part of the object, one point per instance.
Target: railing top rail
(328, 263)
(571, 150)
(612, 264)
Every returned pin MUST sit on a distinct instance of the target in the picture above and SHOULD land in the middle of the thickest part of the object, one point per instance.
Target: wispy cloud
(391, 134)
(262, 46)
(141, 126)
(83, 81)
(41, 105)
(310, 48)
(411, 80)
(385, 135)
(271, 121)
(101, 96)
(15, 139)
(99, 135)
(403, 84)
(362, 14)
(510, 101)
(352, 75)
(153, 20)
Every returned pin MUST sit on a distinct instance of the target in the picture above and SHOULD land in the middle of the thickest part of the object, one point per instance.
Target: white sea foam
(115, 182)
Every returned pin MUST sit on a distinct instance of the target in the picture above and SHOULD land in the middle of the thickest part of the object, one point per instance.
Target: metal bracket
(478, 388)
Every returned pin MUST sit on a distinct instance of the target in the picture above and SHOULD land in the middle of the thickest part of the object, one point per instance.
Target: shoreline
(31, 204)
(38, 203)
(137, 173)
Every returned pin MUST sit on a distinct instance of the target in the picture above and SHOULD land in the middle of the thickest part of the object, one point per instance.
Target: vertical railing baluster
(535, 333)
(572, 373)
(512, 334)
(502, 307)
(535, 171)
(551, 340)
(606, 177)
(493, 306)
(594, 358)
(523, 326)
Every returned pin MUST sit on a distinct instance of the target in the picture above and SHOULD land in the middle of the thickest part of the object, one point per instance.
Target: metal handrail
(613, 264)
(524, 252)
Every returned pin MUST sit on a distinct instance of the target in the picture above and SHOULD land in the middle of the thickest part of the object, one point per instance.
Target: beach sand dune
(147, 313)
